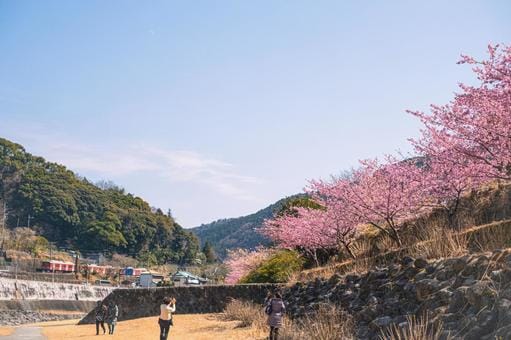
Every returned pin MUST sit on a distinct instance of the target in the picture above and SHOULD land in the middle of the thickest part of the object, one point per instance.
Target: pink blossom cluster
(463, 144)
(474, 130)
(240, 262)
(379, 194)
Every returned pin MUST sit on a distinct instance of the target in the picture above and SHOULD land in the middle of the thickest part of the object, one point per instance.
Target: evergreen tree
(209, 252)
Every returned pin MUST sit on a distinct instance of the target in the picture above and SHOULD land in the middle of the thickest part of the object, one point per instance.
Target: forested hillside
(73, 212)
(240, 232)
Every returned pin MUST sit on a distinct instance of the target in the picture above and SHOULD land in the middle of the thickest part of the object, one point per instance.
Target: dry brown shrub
(495, 236)
(360, 266)
(362, 247)
(442, 243)
(414, 329)
(248, 313)
(326, 323)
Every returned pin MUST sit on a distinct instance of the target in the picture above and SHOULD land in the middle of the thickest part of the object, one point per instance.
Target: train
(69, 267)
(57, 266)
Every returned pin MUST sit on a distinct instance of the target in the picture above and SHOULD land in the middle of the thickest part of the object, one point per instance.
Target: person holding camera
(165, 320)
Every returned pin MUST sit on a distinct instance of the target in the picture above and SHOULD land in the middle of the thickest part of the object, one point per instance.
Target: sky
(216, 109)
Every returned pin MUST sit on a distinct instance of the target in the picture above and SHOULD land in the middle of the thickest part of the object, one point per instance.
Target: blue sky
(218, 108)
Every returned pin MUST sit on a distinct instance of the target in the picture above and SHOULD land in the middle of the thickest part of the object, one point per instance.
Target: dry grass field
(190, 327)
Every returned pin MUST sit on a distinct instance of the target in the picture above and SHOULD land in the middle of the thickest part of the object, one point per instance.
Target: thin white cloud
(191, 166)
(182, 166)
(99, 160)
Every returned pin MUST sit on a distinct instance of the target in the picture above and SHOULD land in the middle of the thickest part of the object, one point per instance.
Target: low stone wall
(144, 302)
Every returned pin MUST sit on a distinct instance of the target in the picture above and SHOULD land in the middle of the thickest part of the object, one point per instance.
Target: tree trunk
(452, 212)
(348, 250)
(395, 236)
(314, 255)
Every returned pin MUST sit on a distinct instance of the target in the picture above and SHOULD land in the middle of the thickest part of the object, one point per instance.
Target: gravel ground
(15, 318)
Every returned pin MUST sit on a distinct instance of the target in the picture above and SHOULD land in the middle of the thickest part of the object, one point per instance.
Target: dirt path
(189, 327)
(25, 333)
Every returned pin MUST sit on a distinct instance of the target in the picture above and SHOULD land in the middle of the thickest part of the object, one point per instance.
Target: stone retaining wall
(40, 290)
(469, 295)
(143, 302)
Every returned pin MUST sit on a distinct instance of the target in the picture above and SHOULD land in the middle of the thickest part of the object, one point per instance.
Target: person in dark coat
(112, 315)
(275, 310)
(101, 312)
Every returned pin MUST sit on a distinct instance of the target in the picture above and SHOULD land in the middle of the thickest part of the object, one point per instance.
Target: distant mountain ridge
(239, 232)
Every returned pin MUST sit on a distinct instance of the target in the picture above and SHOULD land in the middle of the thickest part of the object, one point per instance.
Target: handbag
(268, 309)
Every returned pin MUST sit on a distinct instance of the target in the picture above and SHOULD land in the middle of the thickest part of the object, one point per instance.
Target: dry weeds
(247, 313)
(327, 323)
(414, 329)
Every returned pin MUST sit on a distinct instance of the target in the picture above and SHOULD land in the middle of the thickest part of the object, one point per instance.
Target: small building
(185, 278)
(96, 258)
(148, 279)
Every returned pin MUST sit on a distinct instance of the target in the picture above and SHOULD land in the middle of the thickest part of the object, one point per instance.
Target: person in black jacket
(101, 312)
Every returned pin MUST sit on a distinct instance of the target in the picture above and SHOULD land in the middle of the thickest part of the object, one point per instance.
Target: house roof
(186, 274)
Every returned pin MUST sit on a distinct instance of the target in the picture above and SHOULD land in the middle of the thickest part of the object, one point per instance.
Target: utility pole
(76, 265)
(28, 220)
(3, 223)
(52, 266)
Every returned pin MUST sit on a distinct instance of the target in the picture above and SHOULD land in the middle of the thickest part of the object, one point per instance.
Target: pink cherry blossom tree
(385, 195)
(340, 221)
(240, 262)
(463, 144)
(445, 183)
(474, 129)
(297, 230)
(312, 229)
(380, 194)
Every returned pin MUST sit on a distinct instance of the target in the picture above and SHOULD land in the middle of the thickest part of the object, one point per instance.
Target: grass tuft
(414, 329)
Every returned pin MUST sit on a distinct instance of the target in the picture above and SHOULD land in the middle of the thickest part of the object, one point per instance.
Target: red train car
(95, 269)
(57, 266)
